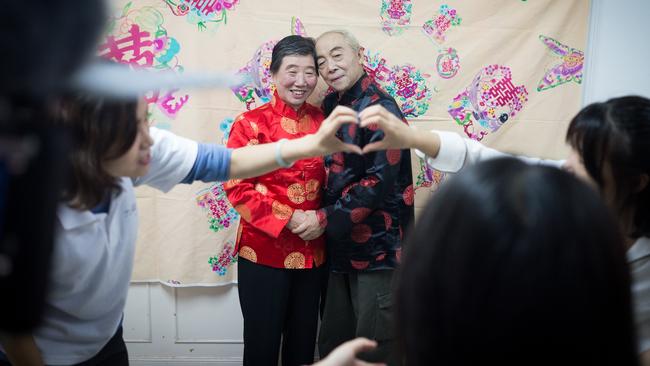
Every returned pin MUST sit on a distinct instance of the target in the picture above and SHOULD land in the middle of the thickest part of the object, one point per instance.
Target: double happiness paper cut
(395, 16)
(405, 83)
(488, 102)
(439, 25)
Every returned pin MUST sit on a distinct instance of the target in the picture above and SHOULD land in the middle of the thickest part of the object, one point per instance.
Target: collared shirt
(368, 200)
(92, 260)
(266, 203)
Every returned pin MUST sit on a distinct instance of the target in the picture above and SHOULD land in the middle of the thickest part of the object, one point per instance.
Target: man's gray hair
(347, 36)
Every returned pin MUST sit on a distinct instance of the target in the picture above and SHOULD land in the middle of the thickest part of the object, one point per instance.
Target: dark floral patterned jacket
(368, 200)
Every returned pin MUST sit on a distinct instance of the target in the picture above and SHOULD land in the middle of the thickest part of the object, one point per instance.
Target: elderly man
(366, 206)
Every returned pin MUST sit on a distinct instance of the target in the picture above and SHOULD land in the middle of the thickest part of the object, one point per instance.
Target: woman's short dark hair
(291, 46)
(103, 129)
(615, 135)
(515, 264)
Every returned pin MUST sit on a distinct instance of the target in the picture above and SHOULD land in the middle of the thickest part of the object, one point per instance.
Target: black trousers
(359, 304)
(114, 353)
(279, 304)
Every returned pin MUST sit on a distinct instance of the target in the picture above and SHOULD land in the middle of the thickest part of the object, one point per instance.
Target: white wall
(203, 326)
(198, 326)
(618, 54)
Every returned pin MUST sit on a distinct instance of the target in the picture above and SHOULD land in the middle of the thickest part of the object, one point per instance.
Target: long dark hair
(103, 129)
(515, 264)
(615, 136)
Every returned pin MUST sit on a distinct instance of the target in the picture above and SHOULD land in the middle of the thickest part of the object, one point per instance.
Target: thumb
(362, 344)
(301, 228)
(374, 146)
(351, 148)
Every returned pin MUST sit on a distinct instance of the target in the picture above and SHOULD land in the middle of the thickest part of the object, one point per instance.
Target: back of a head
(515, 264)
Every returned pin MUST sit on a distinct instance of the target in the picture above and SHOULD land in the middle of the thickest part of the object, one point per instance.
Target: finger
(309, 237)
(362, 345)
(293, 224)
(350, 148)
(343, 110)
(343, 119)
(299, 233)
(309, 234)
(301, 228)
(316, 233)
(376, 120)
(305, 237)
(314, 236)
(298, 219)
(339, 121)
(375, 146)
(372, 110)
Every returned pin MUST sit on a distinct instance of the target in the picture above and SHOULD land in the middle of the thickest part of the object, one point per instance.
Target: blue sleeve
(212, 164)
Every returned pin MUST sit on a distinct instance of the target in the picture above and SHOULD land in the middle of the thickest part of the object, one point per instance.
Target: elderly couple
(356, 206)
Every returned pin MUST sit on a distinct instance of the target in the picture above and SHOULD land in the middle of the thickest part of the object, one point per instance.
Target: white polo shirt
(93, 261)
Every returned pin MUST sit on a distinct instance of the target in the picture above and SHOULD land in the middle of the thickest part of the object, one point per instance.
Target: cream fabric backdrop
(177, 245)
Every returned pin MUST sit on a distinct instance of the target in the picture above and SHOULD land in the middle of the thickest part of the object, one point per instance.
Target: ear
(360, 55)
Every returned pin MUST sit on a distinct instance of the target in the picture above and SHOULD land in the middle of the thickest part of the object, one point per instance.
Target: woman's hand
(346, 354)
(21, 350)
(253, 161)
(397, 134)
(325, 141)
(297, 218)
(310, 228)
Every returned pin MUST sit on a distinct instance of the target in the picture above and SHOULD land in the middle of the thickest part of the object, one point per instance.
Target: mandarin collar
(286, 110)
(355, 92)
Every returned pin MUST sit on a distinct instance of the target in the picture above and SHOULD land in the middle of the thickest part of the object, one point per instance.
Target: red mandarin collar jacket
(266, 203)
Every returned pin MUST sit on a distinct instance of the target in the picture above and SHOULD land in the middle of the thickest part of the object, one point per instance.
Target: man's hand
(310, 228)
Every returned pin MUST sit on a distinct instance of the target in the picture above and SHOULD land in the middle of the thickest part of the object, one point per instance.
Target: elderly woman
(279, 271)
